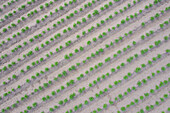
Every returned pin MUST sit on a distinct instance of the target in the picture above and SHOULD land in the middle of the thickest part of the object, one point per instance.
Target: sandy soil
(61, 55)
(84, 83)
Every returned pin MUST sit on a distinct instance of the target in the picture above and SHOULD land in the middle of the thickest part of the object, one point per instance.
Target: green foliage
(105, 106)
(123, 109)
(95, 12)
(91, 98)
(60, 102)
(86, 102)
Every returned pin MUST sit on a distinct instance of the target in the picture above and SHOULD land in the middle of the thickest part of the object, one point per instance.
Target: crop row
(47, 85)
(37, 49)
(52, 53)
(139, 84)
(57, 64)
(52, 29)
(46, 77)
(157, 103)
(39, 23)
(116, 83)
(19, 12)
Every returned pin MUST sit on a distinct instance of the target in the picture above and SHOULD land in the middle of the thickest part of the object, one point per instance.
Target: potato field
(84, 56)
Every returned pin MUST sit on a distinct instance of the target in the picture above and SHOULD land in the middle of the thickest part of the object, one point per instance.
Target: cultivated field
(84, 56)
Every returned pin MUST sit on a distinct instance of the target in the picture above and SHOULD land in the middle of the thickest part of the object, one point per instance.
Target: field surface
(84, 56)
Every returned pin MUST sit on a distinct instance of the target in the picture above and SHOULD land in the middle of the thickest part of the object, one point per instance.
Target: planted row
(106, 90)
(87, 72)
(30, 53)
(147, 95)
(31, 14)
(48, 69)
(52, 40)
(157, 103)
(139, 84)
(37, 49)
